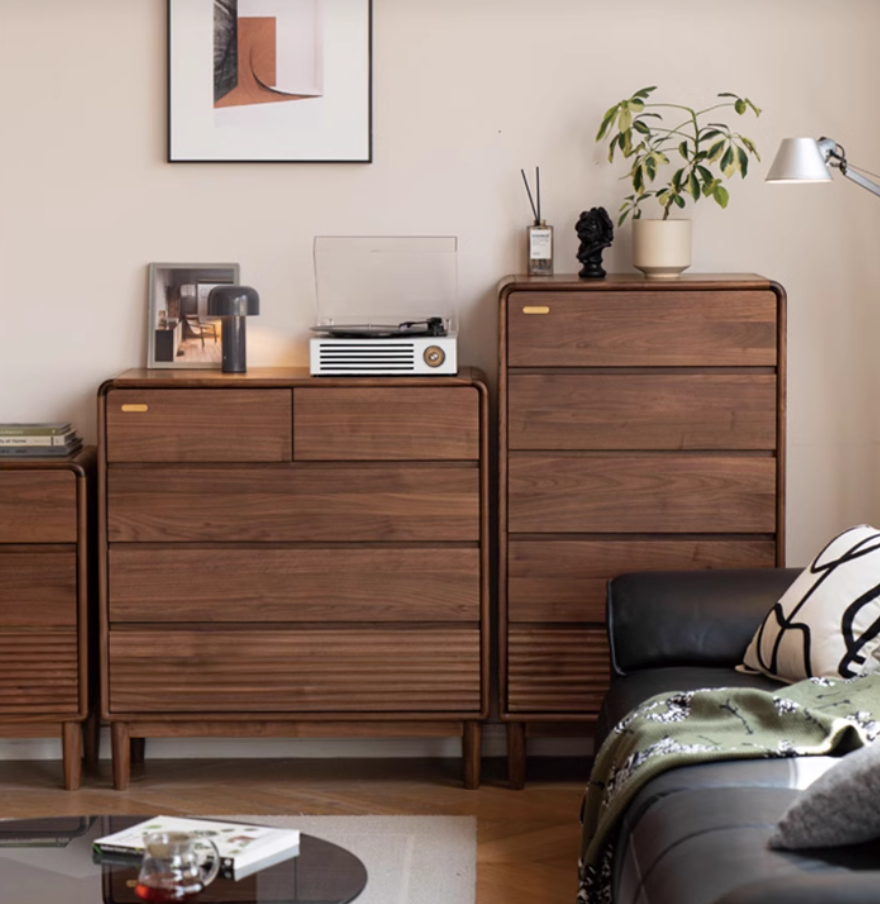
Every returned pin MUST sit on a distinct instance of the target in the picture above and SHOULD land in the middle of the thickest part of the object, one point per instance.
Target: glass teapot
(174, 867)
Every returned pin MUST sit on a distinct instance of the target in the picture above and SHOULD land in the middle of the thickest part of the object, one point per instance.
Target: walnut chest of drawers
(641, 428)
(45, 603)
(284, 555)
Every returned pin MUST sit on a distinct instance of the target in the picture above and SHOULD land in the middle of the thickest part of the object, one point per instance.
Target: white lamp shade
(799, 160)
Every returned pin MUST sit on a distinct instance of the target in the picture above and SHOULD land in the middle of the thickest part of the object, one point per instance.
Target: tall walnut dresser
(45, 603)
(642, 427)
(292, 556)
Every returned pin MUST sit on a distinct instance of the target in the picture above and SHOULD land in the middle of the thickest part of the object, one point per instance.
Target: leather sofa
(699, 833)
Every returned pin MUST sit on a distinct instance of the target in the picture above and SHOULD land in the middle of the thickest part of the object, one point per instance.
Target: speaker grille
(371, 355)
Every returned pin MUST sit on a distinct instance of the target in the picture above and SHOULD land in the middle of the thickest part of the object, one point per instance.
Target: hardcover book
(40, 451)
(41, 428)
(41, 440)
(243, 848)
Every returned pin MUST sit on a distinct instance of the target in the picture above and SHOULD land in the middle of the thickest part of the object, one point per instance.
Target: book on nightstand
(38, 440)
(40, 451)
(40, 428)
(243, 848)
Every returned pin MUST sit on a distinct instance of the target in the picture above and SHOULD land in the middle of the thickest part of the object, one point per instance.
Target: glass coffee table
(51, 860)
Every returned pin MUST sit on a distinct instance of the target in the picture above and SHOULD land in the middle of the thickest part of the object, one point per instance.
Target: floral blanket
(814, 717)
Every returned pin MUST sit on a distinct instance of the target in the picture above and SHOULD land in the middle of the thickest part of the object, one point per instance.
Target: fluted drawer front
(642, 411)
(565, 580)
(163, 584)
(37, 588)
(386, 424)
(642, 494)
(38, 672)
(290, 504)
(556, 671)
(346, 670)
(642, 329)
(194, 425)
(37, 506)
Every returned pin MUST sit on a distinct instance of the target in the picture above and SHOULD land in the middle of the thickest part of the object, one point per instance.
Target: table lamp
(810, 160)
(233, 304)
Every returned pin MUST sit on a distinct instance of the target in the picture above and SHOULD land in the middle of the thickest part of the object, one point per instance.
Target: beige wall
(465, 93)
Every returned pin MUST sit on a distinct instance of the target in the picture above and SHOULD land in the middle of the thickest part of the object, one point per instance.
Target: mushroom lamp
(233, 304)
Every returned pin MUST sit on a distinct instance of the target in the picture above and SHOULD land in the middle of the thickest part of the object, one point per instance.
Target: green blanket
(813, 717)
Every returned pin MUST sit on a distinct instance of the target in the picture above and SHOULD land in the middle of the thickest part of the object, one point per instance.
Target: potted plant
(698, 156)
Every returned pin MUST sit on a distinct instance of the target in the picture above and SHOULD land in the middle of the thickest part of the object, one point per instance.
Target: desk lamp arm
(835, 156)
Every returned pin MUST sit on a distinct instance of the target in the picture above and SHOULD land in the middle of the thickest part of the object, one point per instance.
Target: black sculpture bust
(596, 232)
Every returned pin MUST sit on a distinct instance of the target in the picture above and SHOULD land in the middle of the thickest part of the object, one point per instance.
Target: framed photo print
(280, 81)
(179, 331)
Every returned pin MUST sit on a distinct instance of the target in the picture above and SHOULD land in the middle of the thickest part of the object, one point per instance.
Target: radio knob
(434, 356)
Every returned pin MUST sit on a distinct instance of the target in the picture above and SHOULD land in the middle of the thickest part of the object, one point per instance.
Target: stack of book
(41, 440)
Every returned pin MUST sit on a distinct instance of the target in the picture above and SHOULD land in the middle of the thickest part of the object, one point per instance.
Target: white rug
(409, 859)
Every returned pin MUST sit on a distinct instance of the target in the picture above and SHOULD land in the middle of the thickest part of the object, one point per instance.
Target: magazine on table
(243, 848)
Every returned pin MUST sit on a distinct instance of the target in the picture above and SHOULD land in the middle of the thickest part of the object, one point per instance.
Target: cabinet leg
(91, 738)
(72, 750)
(121, 744)
(471, 751)
(516, 755)
(138, 751)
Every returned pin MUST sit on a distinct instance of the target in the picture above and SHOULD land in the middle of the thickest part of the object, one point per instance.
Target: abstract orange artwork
(256, 71)
(269, 80)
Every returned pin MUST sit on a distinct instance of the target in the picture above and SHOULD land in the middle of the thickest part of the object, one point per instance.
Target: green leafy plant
(708, 153)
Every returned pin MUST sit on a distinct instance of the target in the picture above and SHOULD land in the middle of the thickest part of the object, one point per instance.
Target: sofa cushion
(810, 888)
(699, 841)
(839, 808)
(628, 691)
(827, 624)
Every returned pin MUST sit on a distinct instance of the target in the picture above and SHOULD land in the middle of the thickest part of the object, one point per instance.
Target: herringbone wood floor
(527, 841)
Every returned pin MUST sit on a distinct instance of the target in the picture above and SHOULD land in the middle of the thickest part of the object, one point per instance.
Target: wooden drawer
(341, 671)
(38, 589)
(642, 411)
(386, 424)
(38, 672)
(556, 670)
(641, 329)
(38, 506)
(565, 580)
(195, 425)
(293, 504)
(642, 494)
(161, 584)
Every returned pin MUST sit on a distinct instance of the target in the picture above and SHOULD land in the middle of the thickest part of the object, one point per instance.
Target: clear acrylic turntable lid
(370, 283)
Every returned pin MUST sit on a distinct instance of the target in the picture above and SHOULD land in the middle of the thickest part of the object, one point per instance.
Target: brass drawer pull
(135, 407)
(536, 309)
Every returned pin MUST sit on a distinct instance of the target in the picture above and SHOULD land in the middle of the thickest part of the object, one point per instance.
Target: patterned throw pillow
(839, 808)
(827, 624)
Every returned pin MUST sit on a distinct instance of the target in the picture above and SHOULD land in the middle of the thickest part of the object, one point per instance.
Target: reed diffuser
(539, 234)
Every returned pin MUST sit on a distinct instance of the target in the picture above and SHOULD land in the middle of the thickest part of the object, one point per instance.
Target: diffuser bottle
(540, 243)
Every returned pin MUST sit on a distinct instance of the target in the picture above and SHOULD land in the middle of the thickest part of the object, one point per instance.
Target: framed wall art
(179, 331)
(280, 81)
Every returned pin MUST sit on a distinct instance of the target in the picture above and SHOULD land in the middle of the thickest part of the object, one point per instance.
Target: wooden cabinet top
(567, 282)
(81, 464)
(277, 377)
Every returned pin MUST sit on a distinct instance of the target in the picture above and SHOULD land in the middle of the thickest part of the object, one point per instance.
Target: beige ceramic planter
(661, 248)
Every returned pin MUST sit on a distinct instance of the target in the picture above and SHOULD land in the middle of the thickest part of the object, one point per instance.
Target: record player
(385, 306)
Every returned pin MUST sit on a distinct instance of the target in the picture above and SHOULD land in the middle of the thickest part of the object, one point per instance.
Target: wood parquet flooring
(527, 841)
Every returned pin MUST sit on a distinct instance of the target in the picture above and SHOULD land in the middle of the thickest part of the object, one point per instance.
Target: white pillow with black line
(827, 624)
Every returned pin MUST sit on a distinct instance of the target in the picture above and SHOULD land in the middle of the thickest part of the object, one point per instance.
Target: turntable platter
(433, 326)
(360, 330)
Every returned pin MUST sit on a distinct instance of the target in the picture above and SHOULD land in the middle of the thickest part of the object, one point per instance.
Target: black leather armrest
(666, 618)
(839, 887)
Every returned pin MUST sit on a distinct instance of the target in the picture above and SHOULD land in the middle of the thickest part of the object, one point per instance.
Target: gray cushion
(839, 808)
